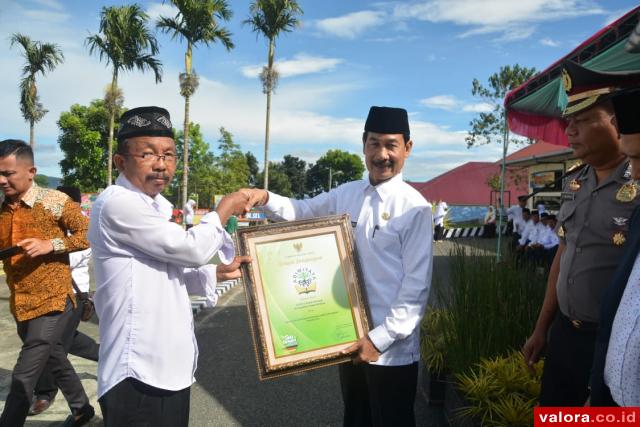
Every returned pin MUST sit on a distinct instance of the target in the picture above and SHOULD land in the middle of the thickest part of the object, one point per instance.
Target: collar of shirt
(386, 188)
(159, 203)
(618, 175)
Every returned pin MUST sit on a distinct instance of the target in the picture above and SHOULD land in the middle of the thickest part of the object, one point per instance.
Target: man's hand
(257, 197)
(533, 347)
(236, 203)
(36, 247)
(231, 271)
(364, 350)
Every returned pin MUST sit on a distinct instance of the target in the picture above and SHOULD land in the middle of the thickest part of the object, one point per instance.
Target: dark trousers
(567, 365)
(378, 395)
(41, 346)
(437, 232)
(132, 403)
(73, 342)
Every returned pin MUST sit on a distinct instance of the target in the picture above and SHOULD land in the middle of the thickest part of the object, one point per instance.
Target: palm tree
(126, 43)
(269, 18)
(196, 22)
(41, 57)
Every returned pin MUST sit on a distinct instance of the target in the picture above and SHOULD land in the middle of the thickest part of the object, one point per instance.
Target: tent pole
(505, 145)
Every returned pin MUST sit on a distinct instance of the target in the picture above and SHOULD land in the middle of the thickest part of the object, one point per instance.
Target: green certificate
(306, 294)
(305, 298)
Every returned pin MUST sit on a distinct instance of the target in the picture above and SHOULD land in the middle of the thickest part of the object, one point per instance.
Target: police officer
(597, 202)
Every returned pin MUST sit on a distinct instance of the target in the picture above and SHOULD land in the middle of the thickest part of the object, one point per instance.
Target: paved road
(228, 392)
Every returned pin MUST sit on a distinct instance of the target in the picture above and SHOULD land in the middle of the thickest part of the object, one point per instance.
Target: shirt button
(578, 250)
(570, 281)
(586, 224)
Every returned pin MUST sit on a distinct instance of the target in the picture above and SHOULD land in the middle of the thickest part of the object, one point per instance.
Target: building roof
(467, 185)
(540, 152)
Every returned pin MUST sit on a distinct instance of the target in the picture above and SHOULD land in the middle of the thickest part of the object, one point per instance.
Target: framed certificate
(305, 294)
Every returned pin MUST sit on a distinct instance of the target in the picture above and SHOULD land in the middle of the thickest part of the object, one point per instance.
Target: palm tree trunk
(112, 114)
(266, 143)
(185, 139)
(32, 135)
(185, 153)
(266, 130)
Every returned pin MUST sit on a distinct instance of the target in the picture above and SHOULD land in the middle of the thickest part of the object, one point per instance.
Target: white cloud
(451, 103)
(52, 4)
(156, 10)
(351, 25)
(512, 19)
(300, 64)
(549, 42)
(480, 107)
(444, 102)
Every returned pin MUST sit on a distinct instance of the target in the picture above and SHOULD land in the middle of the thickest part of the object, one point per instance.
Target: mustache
(163, 177)
(383, 163)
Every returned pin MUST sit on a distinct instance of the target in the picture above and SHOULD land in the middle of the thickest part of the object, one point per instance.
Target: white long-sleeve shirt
(146, 322)
(440, 213)
(79, 264)
(396, 261)
(528, 233)
(622, 366)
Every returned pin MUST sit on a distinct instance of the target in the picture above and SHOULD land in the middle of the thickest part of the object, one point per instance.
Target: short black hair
(16, 147)
(526, 210)
(406, 136)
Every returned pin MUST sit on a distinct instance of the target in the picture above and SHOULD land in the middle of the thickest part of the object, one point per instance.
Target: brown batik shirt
(42, 284)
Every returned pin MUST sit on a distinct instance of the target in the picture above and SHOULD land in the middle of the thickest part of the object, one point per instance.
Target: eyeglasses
(151, 157)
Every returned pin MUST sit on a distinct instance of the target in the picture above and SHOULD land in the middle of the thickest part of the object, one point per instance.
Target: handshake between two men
(237, 203)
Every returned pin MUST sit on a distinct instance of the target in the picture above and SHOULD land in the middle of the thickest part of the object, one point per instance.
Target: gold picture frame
(305, 294)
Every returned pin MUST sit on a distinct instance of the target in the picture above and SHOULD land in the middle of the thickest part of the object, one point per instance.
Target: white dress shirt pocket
(384, 237)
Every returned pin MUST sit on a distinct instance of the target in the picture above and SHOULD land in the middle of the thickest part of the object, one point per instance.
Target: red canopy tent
(534, 109)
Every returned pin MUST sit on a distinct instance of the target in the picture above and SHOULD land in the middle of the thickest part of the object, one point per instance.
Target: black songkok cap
(145, 121)
(387, 120)
(544, 215)
(522, 198)
(627, 106)
(73, 192)
(534, 212)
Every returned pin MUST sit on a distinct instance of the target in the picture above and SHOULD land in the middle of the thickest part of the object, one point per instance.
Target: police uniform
(593, 223)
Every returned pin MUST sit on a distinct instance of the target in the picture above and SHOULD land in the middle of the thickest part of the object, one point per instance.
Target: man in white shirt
(530, 231)
(514, 214)
(438, 220)
(393, 227)
(189, 213)
(148, 351)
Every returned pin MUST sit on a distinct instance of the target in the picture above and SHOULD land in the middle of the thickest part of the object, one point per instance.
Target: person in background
(514, 217)
(438, 220)
(46, 224)
(74, 341)
(189, 213)
(490, 223)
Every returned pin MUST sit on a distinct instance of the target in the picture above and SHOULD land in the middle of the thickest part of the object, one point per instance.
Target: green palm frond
(198, 22)
(125, 42)
(40, 58)
(271, 17)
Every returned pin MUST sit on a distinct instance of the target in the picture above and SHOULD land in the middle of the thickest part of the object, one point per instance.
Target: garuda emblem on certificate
(304, 280)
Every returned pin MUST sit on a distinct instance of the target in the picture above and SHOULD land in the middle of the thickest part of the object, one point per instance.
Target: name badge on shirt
(566, 196)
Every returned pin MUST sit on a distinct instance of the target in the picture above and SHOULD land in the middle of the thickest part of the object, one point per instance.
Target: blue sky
(345, 57)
